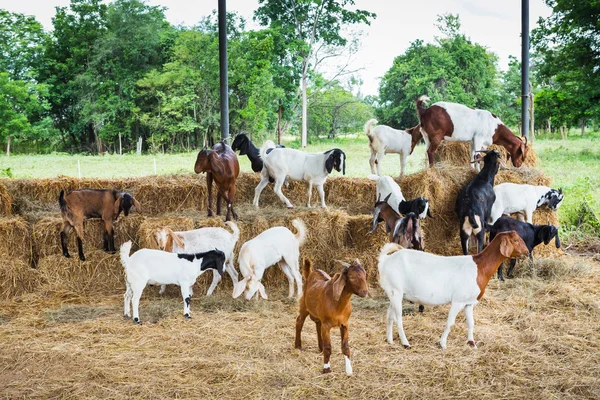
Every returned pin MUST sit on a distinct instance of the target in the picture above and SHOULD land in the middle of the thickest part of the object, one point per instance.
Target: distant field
(573, 165)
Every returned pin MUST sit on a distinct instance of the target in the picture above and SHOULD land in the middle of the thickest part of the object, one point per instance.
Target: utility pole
(223, 70)
(525, 68)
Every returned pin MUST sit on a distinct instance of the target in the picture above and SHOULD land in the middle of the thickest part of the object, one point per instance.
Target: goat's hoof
(407, 346)
(421, 308)
(187, 316)
(112, 252)
(125, 316)
(326, 370)
(443, 346)
(137, 320)
(67, 255)
(472, 344)
(82, 258)
(290, 207)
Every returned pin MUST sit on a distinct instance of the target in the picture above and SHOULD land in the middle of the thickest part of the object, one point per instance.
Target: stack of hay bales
(16, 275)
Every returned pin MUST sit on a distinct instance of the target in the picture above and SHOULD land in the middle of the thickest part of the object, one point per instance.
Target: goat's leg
(480, 239)
(501, 272)
(299, 324)
(403, 157)
(215, 282)
(431, 149)
(79, 232)
(209, 181)
(229, 198)
(264, 181)
(511, 267)
(319, 337)
(346, 348)
(326, 347)
(396, 304)
(63, 238)
(372, 161)
(288, 273)
(529, 216)
(390, 325)
(470, 325)
(322, 195)
(378, 161)
(292, 263)
(187, 299)
(277, 188)
(310, 185)
(219, 204)
(109, 236)
(464, 242)
(135, 301)
(105, 241)
(454, 310)
(230, 268)
(127, 300)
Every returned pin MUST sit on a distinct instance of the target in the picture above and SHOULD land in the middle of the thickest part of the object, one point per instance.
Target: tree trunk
(138, 149)
(582, 127)
(563, 132)
(304, 113)
(549, 126)
(120, 145)
(8, 146)
(279, 116)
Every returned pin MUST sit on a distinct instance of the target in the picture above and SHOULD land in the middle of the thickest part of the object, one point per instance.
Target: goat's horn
(387, 197)
(375, 219)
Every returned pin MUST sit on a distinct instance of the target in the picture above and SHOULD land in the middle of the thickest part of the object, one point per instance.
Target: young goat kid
(433, 280)
(532, 235)
(200, 240)
(277, 245)
(388, 188)
(404, 231)
(92, 203)
(384, 140)
(327, 301)
(523, 199)
(149, 266)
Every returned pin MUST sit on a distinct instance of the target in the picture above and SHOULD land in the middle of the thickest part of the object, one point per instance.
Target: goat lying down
(200, 240)
(150, 266)
(297, 165)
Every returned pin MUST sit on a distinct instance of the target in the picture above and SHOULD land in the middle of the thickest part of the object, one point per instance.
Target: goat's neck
(487, 262)
(344, 299)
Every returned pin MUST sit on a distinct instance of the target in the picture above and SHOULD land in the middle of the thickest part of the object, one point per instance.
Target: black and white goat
(531, 234)
(297, 165)
(388, 189)
(244, 145)
(523, 199)
(474, 202)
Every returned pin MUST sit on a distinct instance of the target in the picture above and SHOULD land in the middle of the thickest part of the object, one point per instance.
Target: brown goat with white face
(92, 203)
(327, 300)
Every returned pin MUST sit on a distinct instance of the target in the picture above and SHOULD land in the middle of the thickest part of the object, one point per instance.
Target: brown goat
(327, 301)
(92, 203)
(221, 165)
(405, 231)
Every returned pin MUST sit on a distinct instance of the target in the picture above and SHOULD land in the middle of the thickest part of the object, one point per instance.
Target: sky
(491, 23)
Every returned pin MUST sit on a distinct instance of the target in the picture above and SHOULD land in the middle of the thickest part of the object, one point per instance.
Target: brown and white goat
(327, 301)
(93, 203)
(221, 165)
(456, 122)
(405, 231)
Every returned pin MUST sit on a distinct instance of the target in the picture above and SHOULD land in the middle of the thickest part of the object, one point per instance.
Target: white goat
(282, 163)
(199, 240)
(150, 266)
(384, 139)
(523, 199)
(432, 280)
(275, 245)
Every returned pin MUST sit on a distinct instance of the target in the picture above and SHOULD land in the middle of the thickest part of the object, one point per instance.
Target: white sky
(492, 23)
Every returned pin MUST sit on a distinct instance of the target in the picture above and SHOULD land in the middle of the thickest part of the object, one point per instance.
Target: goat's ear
(239, 288)
(153, 241)
(261, 291)
(339, 281)
(329, 163)
(117, 205)
(343, 158)
(506, 248)
(176, 238)
(429, 212)
(557, 241)
(137, 205)
(375, 219)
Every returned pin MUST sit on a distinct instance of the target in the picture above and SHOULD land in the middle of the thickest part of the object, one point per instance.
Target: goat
(244, 145)
(386, 186)
(221, 165)
(404, 231)
(149, 266)
(277, 245)
(384, 139)
(327, 301)
(523, 199)
(298, 166)
(93, 203)
(531, 234)
(456, 122)
(199, 240)
(474, 202)
(433, 280)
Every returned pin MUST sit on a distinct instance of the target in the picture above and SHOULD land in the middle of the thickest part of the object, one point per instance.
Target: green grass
(573, 164)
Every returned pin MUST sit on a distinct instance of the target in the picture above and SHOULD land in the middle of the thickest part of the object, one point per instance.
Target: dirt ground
(537, 338)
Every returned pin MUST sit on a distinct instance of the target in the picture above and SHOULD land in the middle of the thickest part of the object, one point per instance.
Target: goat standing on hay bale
(384, 140)
(474, 202)
(389, 189)
(298, 166)
(244, 145)
(221, 165)
(404, 231)
(327, 300)
(92, 203)
(433, 280)
(456, 122)
(523, 199)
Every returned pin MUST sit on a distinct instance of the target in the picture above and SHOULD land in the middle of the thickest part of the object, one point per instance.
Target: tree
(450, 69)
(303, 24)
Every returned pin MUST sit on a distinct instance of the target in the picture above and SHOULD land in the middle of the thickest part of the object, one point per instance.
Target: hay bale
(365, 246)
(150, 225)
(15, 240)
(101, 273)
(171, 194)
(458, 154)
(6, 201)
(17, 277)
(46, 235)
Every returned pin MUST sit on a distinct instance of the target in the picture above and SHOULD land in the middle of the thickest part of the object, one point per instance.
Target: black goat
(531, 234)
(244, 145)
(474, 202)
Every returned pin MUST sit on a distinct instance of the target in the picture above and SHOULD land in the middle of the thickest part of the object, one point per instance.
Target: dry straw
(6, 201)
(17, 277)
(459, 154)
(15, 240)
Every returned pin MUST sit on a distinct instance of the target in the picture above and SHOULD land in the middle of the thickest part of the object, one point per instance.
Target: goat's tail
(306, 268)
(421, 104)
(301, 228)
(62, 202)
(368, 126)
(125, 250)
(234, 229)
(387, 250)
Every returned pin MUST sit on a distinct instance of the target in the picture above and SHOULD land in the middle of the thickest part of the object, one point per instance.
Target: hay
(17, 277)
(6, 201)
(46, 235)
(15, 240)
(173, 193)
(359, 243)
(458, 154)
(150, 225)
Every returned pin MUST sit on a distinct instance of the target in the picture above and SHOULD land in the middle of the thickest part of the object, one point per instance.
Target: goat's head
(491, 159)
(240, 143)
(420, 206)
(379, 205)
(250, 285)
(511, 244)
(416, 135)
(214, 259)
(124, 203)
(553, 198)
(519, 151)
(336, 159)
(203, 161)
(164, 238)
(354, 276)
(548, 232)
(407, 232)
